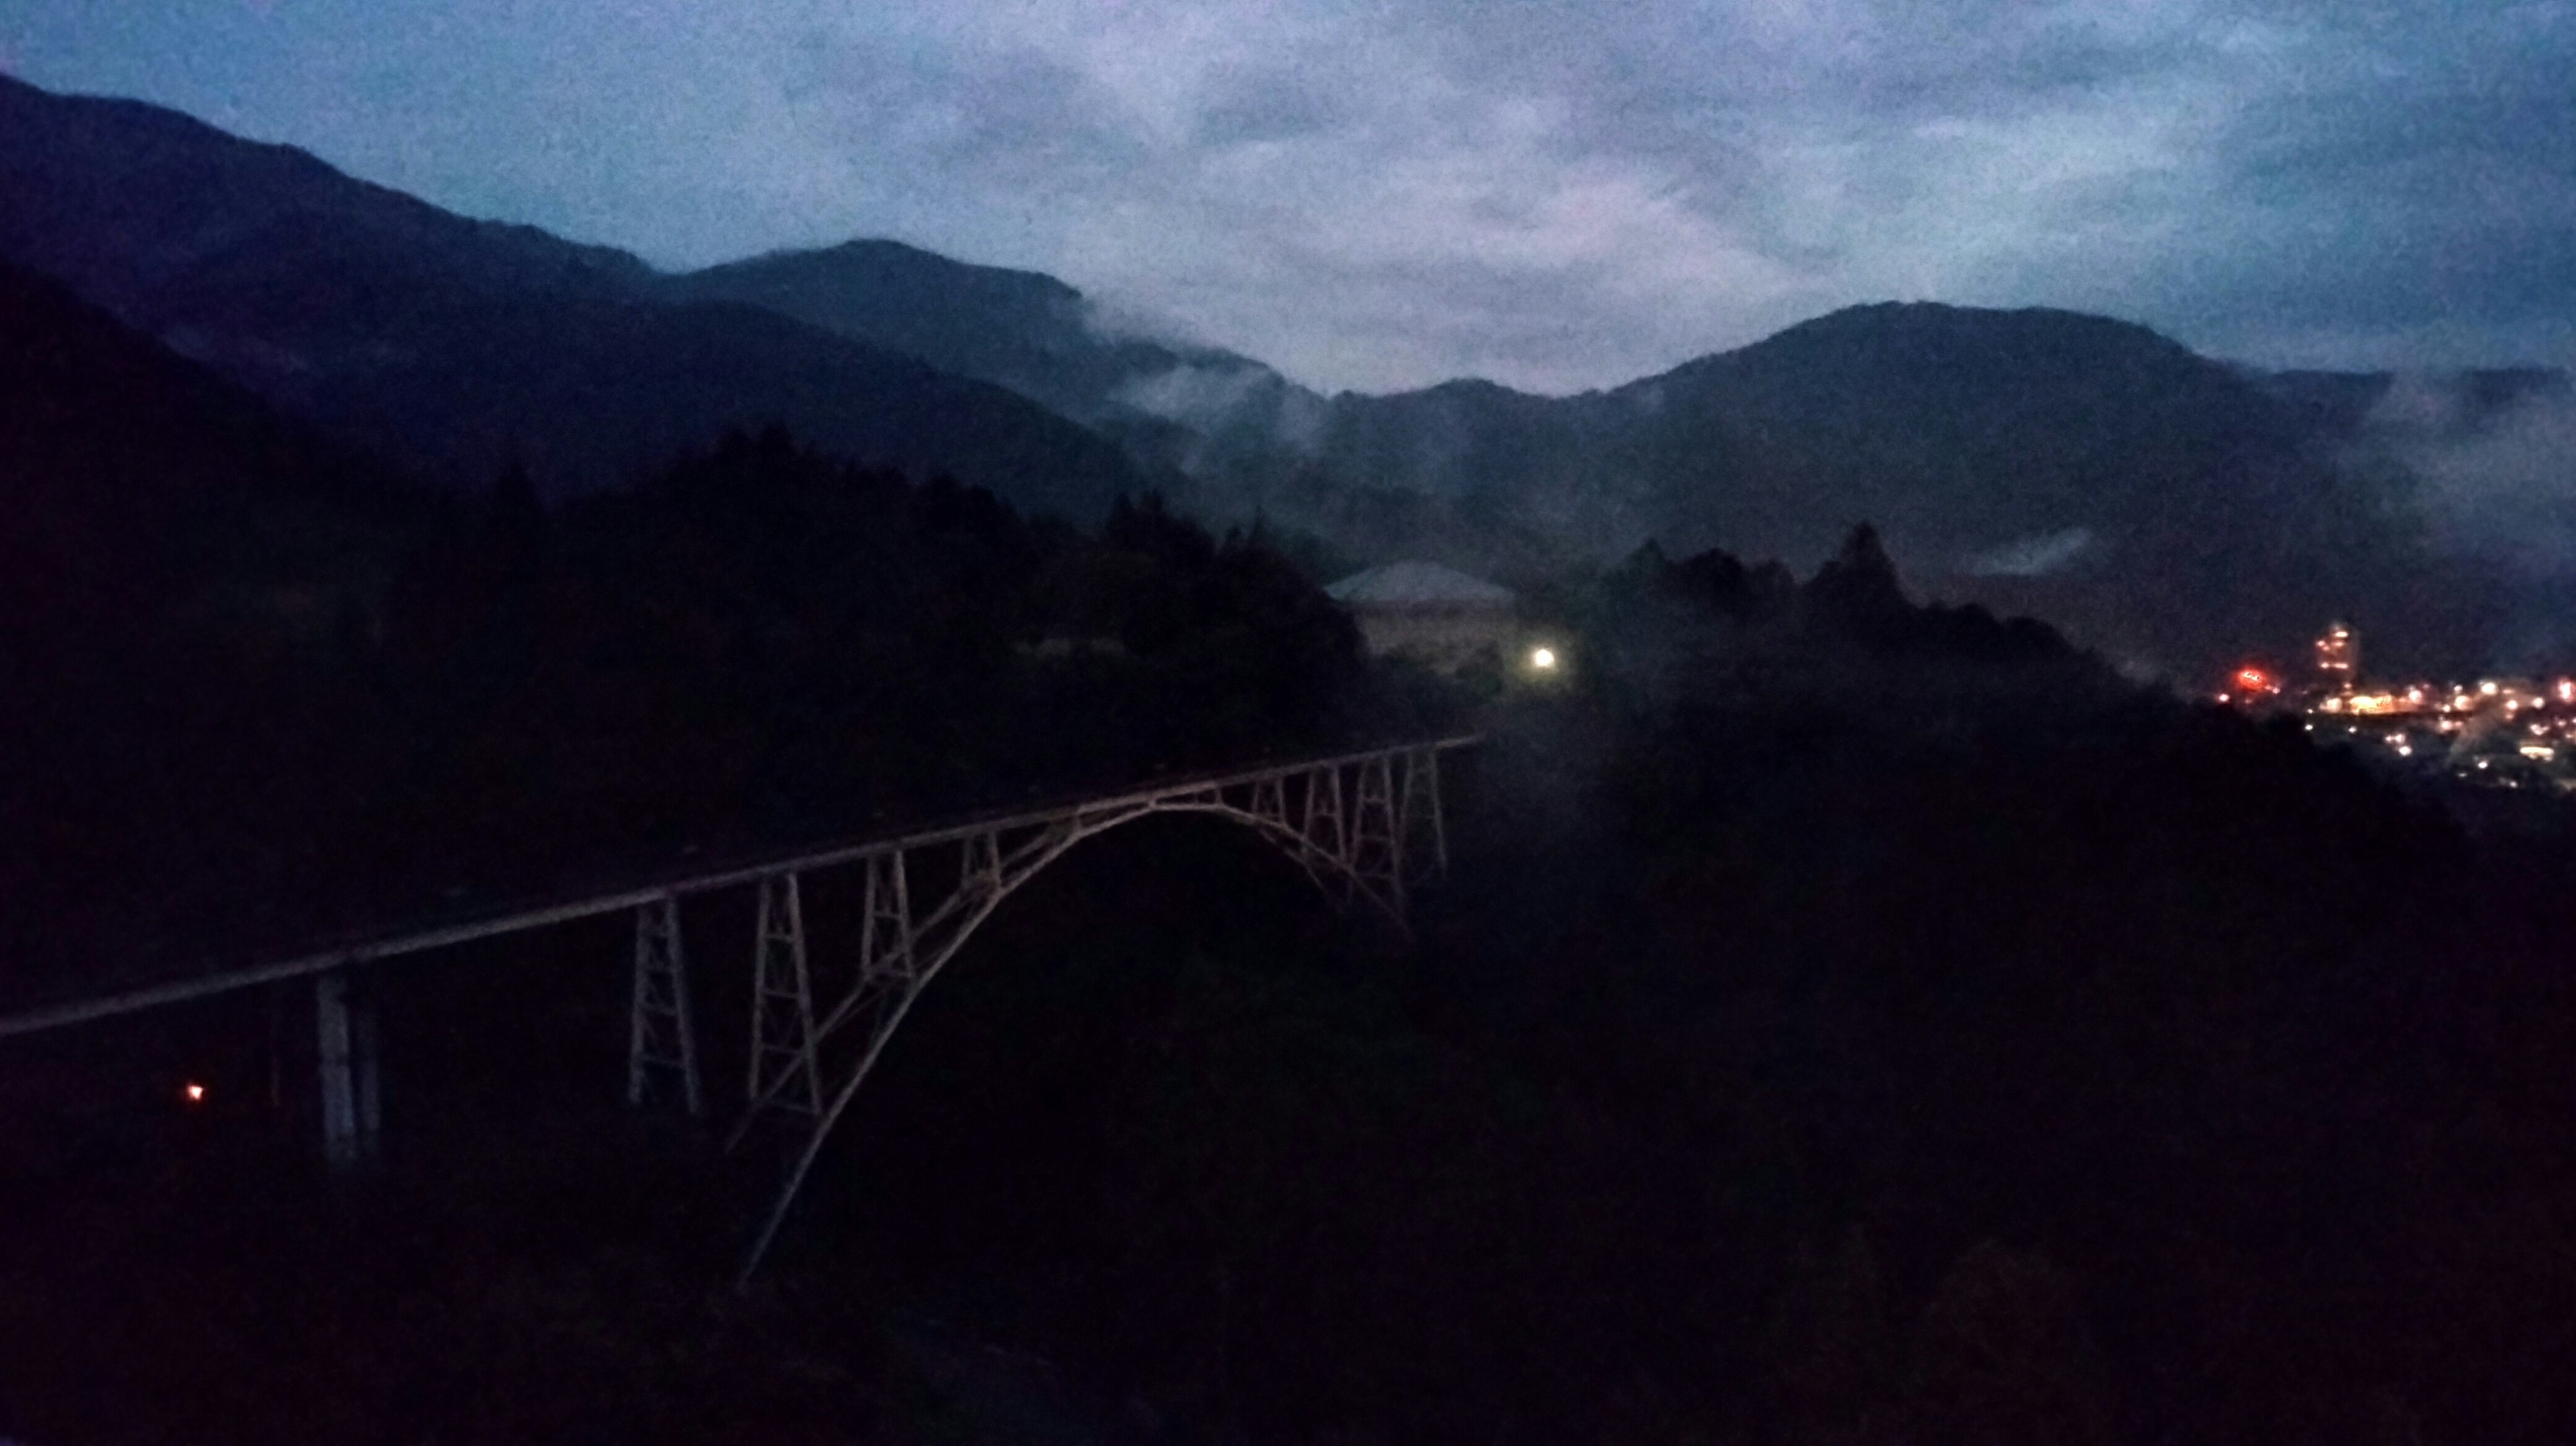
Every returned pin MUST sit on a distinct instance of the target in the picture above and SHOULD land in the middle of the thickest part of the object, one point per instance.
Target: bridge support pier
(785, 1074)
(662, 1039)
(1376, 851)
(351, 1072)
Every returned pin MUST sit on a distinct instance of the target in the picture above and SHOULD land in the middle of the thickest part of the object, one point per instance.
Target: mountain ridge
(464, 347)
(2166, 506)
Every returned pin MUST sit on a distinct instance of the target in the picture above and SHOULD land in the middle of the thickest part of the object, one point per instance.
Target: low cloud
(1113, 320)
(2031, 556)
(1205, 397)
(2494, 465)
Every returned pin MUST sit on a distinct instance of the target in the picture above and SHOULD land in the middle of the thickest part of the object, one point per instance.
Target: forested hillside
(262, 687)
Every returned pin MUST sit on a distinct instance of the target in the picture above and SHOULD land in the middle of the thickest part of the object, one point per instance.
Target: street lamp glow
(1543, 659)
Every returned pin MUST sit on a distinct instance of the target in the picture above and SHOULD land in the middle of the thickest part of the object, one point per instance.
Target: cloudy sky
(1386, 193)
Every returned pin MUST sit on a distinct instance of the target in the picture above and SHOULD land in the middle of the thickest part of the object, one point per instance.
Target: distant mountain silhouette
(2173, 510)
(1172, 405)
(2160, 504)
(2164, 506)
(2168, 508)
(464, 346)
(1024, 330)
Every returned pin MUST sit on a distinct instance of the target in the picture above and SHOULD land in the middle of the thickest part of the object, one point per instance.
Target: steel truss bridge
(1366, 827)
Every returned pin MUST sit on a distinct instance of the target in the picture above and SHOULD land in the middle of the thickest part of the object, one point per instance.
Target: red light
(2254, 680)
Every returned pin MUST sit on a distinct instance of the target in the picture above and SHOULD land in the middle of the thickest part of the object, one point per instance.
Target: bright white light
(1542, 658)
(2489, 689)
(193, 1092)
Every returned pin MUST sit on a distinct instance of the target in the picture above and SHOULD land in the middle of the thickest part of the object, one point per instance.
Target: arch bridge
(1367, 827)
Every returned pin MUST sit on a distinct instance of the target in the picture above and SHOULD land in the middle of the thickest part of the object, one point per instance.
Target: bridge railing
(645, 891)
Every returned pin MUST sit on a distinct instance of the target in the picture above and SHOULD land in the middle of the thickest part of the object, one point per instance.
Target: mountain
(466, 346)
(1170, 404)
(1383, 475)
(1021, 329)
(2163, 505)
(2166, 507)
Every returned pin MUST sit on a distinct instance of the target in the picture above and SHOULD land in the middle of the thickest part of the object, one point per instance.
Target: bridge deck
(153, 988)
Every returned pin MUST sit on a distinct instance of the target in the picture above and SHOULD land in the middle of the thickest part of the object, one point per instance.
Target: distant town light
(2567, 690)
(193, 1092)
(1542, 658)
(2487, 688)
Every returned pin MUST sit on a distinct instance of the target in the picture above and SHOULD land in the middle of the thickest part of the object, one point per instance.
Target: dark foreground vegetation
(256, 689)
(1848, 1021)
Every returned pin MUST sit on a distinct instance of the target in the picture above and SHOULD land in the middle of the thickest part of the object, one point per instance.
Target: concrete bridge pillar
(352, 1074)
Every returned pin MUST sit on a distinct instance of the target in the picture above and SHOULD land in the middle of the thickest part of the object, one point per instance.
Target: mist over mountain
(1027, 331)
(1170, 403)
(2168, 508)
(463, 346)
(2158, 504)
(2172, 509)
(2492, 453)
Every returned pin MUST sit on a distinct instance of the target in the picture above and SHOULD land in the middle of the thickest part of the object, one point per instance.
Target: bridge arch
(1363, 828)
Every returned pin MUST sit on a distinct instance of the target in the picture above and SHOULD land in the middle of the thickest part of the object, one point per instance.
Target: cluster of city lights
(2503, 732)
